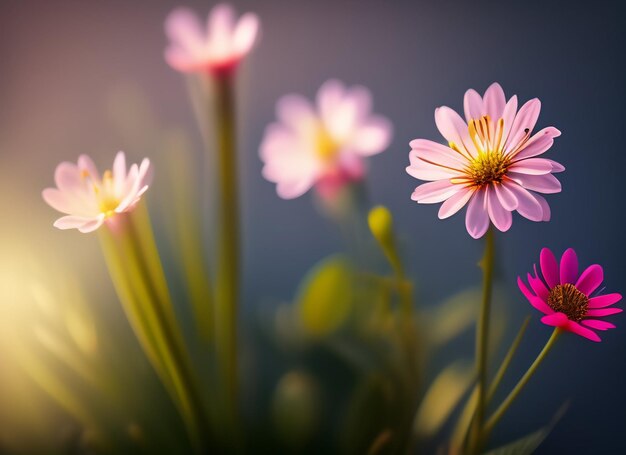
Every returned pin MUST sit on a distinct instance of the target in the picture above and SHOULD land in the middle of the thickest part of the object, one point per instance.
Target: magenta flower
(323, 145)
(89, 200)
(490, 161)
(218, 47)
(567, 299)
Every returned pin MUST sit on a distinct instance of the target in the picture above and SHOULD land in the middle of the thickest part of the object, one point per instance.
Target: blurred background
(89, 77)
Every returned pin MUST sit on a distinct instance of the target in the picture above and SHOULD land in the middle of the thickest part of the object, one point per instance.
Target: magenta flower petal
(538, 144)
(578, 329)
(569, 267)
(590, 279)
(570, 302)
(603, 312)
(538, 287)
(555, 320)
(598, 325)
(602, 301)
(529, 295)
(549, 267)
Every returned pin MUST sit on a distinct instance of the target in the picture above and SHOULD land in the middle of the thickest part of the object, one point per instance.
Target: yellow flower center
(105, 193)
(566, 299)
(490, 164)
(326, 147)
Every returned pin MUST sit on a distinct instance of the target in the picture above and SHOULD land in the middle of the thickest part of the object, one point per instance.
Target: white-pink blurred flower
(218, 47)
(325, 144)
(490, 161)
(89, 199)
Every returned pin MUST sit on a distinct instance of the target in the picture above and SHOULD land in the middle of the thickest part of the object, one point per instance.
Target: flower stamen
(566, 299)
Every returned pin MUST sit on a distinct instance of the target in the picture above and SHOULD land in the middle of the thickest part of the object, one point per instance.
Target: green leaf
(325, 298)
(528, 444)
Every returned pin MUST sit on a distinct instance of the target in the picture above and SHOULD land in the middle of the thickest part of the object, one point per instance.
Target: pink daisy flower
(217, 48)
(322, 145)
(567, 299)
(88, 199)
(490, 161)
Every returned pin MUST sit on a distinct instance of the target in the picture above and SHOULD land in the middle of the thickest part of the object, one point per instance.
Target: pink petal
(220, 26)
(477, 218)
(92, 225)
(67, 177)
(373, 136)
(455, 203)
(494, 101)
(59, 201)
(79, 222)
(183, 27)
(453, 128)
(295, 111)
(602, 301)
(599, 312)
(508, 117)
(556, 167)
(119, 172)
(598, 325)
(528, 206)
(245, 33)
(532, 166)
(576, 328)
(569, 267)
(329, 97)
(473, 105)
(86, 164)
(525, 119)
(555, 320)
(549, 267)
(506, 197)
(438, 153)
(544, 206)
(537, 144)
(547, 184)
(433, 192)
(426, 171)
(500, 217)
(590, 279)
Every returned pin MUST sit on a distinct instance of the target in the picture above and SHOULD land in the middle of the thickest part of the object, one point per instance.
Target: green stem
(482, 337)
(468, 414)
(497, 415)
(227, 285)
(139, 275)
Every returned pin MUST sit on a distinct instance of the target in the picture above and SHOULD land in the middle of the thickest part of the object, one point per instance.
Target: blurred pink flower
(218, 47)
(566, 298)
(89, 200)
(323, 145)
(490, 161)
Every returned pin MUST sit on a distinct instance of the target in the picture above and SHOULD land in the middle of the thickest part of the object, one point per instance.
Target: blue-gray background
(59, 59)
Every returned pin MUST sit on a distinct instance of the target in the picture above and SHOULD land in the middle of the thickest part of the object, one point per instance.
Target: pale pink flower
(567, 299)
(490, 161)
(217, 47)
(325, 144)
(89, 199)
